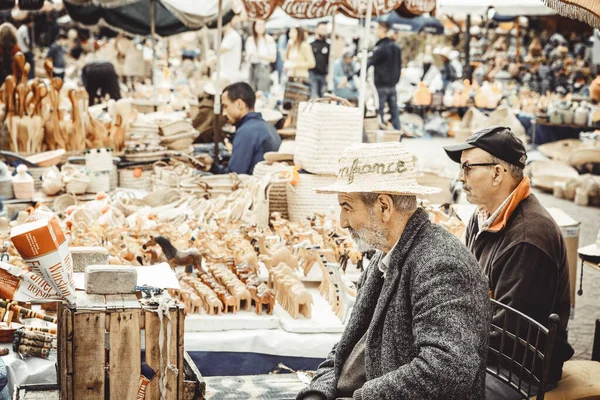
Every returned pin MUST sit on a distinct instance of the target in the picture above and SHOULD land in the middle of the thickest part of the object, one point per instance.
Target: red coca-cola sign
(419, 7)
(307, 9)
(260, 9)
(358, 8)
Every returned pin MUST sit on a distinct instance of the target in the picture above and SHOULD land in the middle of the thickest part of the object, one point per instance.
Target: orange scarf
(521, 193)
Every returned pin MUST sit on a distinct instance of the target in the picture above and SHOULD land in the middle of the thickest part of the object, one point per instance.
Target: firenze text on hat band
(375, 168)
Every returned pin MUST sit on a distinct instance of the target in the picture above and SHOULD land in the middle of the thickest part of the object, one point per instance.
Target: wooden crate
(194, 387)
(100, 344)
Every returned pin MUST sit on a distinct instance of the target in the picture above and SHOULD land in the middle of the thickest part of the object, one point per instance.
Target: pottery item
(51, 181)
(582, 114)
(23, 183)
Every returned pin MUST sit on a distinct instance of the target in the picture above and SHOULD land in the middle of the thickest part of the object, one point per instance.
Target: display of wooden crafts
(175, 257)
(290, 292)
(345, 296)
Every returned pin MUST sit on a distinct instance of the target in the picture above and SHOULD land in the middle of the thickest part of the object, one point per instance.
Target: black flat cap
(499, 141)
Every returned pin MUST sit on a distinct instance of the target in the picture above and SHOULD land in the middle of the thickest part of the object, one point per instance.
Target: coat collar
(376, 292)
(247, 117)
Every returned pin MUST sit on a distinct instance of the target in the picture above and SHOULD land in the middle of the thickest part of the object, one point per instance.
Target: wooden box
(100, 346)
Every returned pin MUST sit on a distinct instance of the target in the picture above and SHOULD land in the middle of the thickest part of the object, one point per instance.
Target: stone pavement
(430, 154)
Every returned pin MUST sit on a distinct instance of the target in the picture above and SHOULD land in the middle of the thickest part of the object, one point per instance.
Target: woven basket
(76, 186)
(278, 193)
(114, 178)
(129, 180)
(303, 201)
(99, 182)
(99, 159)
(324, 131)
(294, 93)
(6, 189)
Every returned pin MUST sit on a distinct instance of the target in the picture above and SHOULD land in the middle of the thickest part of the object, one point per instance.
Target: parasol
(587, 11)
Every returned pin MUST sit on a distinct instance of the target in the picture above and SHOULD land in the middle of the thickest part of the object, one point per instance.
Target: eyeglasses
(466, 167)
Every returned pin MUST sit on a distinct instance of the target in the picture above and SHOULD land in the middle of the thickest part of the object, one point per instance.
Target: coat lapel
(390, 285)
(362, 312)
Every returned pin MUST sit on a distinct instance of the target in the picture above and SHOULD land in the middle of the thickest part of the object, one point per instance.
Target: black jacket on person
(320, 48)
(387, 60)
(526, 265)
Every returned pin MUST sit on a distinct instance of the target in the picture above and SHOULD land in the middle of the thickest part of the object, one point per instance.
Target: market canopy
(420, 24)
(134, 16)
(309, 9)
(504, 7)
(587, 11)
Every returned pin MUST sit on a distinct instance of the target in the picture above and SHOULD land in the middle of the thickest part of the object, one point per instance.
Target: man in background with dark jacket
(253, 135)
(516, 241)
(387, 60)
(318, 75)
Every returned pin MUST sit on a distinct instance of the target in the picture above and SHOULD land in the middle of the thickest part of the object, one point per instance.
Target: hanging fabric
(587, 11)
(7, 5)
(30, 5)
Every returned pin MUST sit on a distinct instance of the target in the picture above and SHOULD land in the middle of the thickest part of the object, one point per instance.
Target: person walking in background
(344, 70)
(57, 53)
(261, 51)
(231, 52)
(320, 48)
(282, 43)
(8, 49)
(387, 60)
(24, 35)
(299, 57)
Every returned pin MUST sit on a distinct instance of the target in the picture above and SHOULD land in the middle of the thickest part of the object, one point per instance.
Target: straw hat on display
(560, 150)
(210, 87)
(441, 55)
(546, 174)
(593, 250)
(584, 156)
(284, 154)
(386, 168)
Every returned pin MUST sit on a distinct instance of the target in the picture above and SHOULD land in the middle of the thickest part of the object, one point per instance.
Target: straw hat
(593, 250)
(210, 87)
(285, 152)
(560, 150)
(546, 174)
(584, 156)
(377, 168)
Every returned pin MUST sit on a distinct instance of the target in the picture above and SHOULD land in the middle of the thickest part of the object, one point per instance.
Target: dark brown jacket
(526, 264)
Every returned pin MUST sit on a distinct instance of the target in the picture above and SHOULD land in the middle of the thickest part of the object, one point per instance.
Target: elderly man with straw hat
(420, 325)
(516, 241)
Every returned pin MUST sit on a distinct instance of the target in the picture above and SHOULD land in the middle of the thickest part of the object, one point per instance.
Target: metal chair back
(520, 350)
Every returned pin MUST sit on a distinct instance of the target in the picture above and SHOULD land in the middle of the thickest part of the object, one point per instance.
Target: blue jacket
(349, 92)
(253, 138)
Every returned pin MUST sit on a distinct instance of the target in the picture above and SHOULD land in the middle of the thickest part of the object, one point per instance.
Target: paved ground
(587, 306)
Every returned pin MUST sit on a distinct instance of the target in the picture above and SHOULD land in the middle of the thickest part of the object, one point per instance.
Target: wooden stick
(27, 313)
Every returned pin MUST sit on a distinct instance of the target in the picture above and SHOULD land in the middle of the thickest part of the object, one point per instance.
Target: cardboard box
(570, 231)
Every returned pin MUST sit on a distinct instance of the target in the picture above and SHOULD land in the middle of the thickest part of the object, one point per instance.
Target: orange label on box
(44, 248)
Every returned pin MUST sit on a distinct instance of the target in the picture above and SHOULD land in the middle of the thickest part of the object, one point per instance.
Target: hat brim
(455, 151)
(592, 251)
(406, 190)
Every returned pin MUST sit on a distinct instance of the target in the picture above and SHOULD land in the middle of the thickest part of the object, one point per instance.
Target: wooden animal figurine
(346, 297)
(282, 254)
(176, 257)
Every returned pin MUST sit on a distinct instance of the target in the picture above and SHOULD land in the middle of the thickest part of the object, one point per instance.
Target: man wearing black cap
(518, 244)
